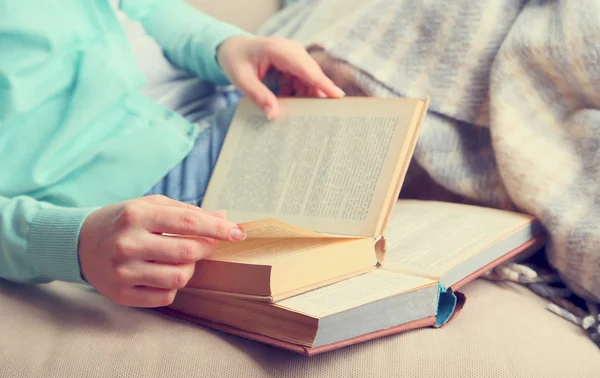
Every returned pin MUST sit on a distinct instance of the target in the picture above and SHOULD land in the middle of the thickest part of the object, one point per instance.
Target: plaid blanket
(514, 118)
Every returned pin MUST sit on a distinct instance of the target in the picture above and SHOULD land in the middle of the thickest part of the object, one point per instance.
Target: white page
(353, 292)
(429, 238)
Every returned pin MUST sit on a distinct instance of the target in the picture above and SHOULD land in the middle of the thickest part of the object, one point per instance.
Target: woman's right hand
(124, 255)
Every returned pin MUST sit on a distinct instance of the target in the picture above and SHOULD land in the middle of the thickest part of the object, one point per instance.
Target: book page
(325, 164)
(273, 228)
(429, 238)
(353, 292)
(270, 240)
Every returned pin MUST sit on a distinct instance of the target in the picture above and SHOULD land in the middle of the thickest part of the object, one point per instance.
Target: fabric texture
(176, 89)
(210, 107)
(75, 125)
(514, 118)
(64, 330)
(188, 180)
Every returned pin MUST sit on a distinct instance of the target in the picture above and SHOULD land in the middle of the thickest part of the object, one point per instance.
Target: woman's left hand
(246, 60)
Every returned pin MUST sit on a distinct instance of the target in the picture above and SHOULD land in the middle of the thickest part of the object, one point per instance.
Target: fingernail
(340, 92)
(237, 234)
(268, 112)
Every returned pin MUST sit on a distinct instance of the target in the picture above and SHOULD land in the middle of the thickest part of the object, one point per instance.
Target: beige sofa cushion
(62, 330)
(246, 14)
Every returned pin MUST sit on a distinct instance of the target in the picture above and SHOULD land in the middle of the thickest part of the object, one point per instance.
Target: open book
(433, 249)
(313, 189)
(316, 191)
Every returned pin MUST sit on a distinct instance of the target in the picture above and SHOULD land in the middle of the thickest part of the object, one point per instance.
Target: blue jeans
(188, 180)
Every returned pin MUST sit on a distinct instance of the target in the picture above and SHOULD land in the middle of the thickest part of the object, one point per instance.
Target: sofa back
(249, 15)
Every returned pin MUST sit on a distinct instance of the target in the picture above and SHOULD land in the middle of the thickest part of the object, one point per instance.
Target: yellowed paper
(270, 240)
(324, 165)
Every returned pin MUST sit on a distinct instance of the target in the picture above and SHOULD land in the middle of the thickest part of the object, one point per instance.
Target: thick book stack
(332, 257)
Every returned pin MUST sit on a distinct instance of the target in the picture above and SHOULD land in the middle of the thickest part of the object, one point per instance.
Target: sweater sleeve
(189, 38)
(39, 241)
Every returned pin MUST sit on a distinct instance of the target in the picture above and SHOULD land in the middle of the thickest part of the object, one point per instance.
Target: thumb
(247, 81)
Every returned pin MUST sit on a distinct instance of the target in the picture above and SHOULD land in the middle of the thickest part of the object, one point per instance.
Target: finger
(178, 221)
(263, 68)
(146, 297)
(316, 92)
(247, 81)
(170, 249)
(161, 200)
(314, 77)
(304, 67)
(161, 276)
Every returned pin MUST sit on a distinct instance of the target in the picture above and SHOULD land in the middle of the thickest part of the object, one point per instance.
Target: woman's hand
(124, 255)
(246, 60)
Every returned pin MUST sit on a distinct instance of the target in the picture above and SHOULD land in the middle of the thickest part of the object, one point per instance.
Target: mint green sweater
(75, 132)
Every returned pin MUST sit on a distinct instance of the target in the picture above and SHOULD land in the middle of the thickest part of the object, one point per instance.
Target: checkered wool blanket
(514, 118)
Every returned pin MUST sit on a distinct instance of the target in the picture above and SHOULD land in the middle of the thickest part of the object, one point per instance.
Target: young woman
(103, 103)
